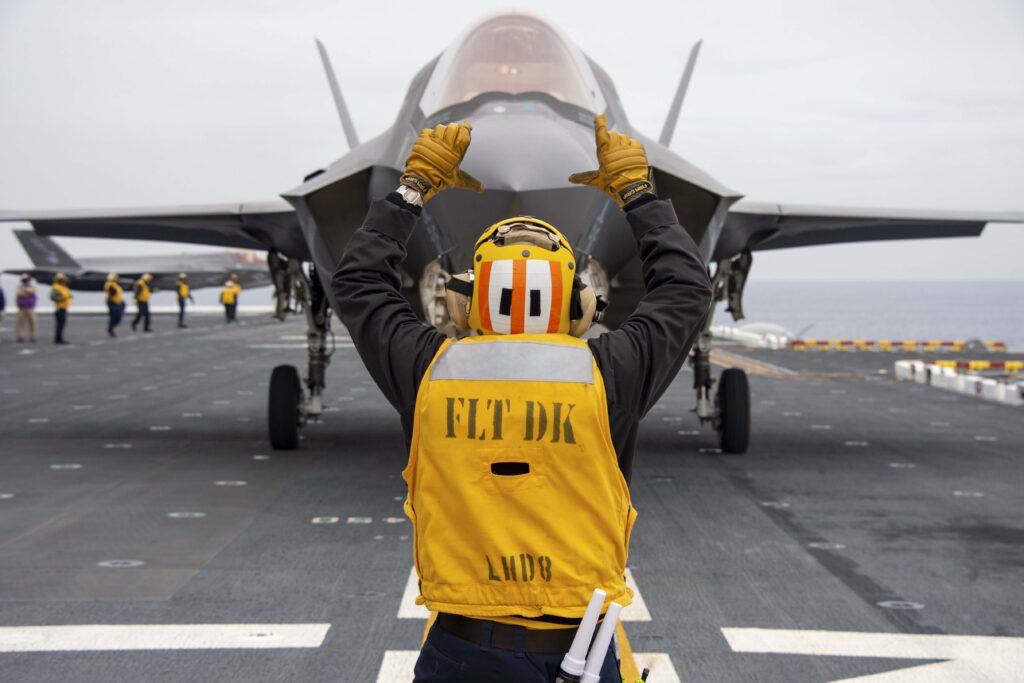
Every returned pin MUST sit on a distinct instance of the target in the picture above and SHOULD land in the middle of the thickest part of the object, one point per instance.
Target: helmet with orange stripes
(523, 280)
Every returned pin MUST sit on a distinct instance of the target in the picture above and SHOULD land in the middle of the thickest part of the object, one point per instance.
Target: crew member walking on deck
(184, 295)
(143, 290)
(61, 297)
(115, 302)
(521, 438)
(27, 323)
(229, 297)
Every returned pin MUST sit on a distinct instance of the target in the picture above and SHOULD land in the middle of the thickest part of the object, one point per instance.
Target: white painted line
(393, 520)
(66, 466)
(325, 520)
(825, 545)
(709, 450)
(976, 438)
(939, 424)
(117, 445)
(191, 414)
(856, 444)
(186, 515)
(261, 457)
(340, 399)
(969, 659)
(638, 610)
(688, 432)
(6, 496)
(359, 520)
(777, 504)
(902, 465)
(245, 393)
(660, 664)
(397, 666)
(792, 413)
(900, 605)
(968, 494)
(82, 407)
(229, 482)
(159, 428)
(160, 637)
(673, 418)
(222, 403)
(821, 427)
(118, 397)
(12, 391)
(120, 564)
(407, 608)
(38, 420)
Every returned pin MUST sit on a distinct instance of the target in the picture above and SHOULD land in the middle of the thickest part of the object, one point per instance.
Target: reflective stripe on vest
(507, 361)
(517, 501)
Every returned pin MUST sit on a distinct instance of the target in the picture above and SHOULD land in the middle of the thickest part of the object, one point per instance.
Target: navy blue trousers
(446, 658)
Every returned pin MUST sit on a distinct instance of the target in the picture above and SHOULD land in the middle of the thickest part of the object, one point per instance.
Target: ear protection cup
(588, 306)
(457, 300)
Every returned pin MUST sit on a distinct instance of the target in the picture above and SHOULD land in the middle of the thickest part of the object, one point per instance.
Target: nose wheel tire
(733, 400)
(283, 409)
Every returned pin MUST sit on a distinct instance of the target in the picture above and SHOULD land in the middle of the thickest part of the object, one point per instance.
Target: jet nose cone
(524, 150)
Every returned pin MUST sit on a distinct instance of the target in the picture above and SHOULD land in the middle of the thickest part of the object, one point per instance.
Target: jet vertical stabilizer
(339, 101)
(677, 102)
(45, 253)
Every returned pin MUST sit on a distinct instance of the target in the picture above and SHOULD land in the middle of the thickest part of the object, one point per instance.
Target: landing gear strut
(729, 411)
(289, 407)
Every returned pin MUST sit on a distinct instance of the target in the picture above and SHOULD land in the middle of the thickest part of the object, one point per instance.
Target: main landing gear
(729, 410)
(290, 407)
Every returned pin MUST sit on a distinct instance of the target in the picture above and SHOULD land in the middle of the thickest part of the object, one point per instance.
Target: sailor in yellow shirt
(115, 302)
(229, 297)
(143, 289)
(521, 437)
(184, 294)
(61, 297)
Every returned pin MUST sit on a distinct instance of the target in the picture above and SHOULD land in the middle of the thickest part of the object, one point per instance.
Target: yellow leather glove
(433, 163)
(623, 172)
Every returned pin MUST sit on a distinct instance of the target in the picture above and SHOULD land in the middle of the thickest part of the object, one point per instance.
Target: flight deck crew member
(143, 290)
(61, 297)
(115, 302)
(521, 438)
(229, 297)
(184, 294)
(3, 303)
(27, 324)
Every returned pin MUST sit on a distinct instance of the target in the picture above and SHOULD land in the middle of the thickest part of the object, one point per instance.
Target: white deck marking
(229, 482)
(82, 407)
(660, 664)
(117, 445)
(38, 420)
(970, 659)
(159, 428)
(66, 466)
(638, 610)
(394, 520)
(397, 666)
(821, 427)
(120, 564)
(792, 413)
(902, 465)
(408, 609)
(968, 494)
(191, 414)
(857, 444)
(325, 520)
(986, 438)
(359, 520)
(160, 637)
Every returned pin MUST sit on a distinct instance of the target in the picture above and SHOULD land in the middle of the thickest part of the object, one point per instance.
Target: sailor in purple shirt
(25, 296)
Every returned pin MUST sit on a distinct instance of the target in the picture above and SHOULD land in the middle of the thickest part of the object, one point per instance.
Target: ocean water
(989, 310)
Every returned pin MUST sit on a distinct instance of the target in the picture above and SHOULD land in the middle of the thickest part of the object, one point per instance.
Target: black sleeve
(393, 343)
(641, 358)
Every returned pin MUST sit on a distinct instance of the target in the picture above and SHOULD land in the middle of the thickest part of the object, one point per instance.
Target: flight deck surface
(137, 488)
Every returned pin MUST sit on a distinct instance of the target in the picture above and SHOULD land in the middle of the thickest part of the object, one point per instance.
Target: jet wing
(760, 226)
(253, 225)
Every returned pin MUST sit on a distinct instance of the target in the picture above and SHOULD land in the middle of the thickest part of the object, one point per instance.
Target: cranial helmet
(112, 276)
(523, 281)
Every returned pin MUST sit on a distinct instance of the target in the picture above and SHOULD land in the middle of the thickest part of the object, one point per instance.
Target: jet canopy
(512, 53)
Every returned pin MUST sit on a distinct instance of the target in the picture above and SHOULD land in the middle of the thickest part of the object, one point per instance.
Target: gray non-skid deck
(856, 491)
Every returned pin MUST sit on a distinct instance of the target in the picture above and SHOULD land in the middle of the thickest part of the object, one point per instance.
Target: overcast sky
(893, 104)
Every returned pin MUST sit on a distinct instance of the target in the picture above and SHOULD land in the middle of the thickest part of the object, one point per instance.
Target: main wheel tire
(283, 407)
(734, 405)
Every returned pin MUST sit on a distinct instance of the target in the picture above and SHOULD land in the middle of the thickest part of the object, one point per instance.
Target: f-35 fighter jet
(531, 96)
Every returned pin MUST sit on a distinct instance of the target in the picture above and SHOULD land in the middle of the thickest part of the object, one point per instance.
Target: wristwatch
(410, 196)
